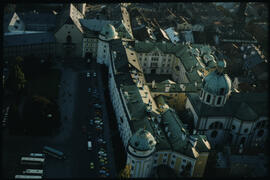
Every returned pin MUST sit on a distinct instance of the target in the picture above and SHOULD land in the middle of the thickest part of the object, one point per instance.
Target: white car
(88, 74)
(94, 74)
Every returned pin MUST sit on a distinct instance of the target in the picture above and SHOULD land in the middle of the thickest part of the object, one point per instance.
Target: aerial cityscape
(135, 90)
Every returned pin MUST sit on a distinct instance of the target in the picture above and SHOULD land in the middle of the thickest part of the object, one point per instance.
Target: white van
(89, 145)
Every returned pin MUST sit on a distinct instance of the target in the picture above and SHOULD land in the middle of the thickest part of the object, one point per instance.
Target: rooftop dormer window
(222, 90)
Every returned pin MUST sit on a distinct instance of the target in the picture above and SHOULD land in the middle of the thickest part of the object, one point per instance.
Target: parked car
(97, 105)
(88, 74)
(94, 74)
(99, 128)
(92, 165)
(102, 171)
(91, 122)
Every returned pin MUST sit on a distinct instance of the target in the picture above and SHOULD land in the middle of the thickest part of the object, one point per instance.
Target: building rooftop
(32, 18)
(142, 109)
(142, 140)
(95, 24)
(257, 102)
(28, 39)
(69, 15)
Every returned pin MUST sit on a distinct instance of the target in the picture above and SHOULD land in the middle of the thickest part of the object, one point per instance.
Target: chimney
(167, 88)
(153, 84)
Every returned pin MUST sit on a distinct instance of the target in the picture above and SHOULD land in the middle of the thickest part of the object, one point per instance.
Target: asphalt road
(74, 99)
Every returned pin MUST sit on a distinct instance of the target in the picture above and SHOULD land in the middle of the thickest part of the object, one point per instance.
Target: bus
(89, 145)
(27, 177)
(53, 152)
(33, 171)
(32, 160)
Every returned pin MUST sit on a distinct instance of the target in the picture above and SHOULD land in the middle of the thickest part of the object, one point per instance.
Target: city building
(92, 28)
(69, 32)
(225, 116)
(150, 134)
(38, 21)
(39, 44)
(12, 22)
(186, 63)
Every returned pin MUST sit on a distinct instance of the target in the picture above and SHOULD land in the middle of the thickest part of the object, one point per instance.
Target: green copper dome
(217, 83)
(142, 140)
(109, 31)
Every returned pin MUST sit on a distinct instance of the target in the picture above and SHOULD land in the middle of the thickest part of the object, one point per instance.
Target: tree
(16, 80)
(126, 172)
(19, 61)
(41, 115)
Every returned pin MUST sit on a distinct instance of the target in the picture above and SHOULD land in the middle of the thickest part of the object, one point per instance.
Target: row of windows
(155, 54)
(209, 97)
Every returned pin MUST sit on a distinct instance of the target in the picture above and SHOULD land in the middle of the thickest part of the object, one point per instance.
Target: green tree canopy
(126, 172)
(16, 80)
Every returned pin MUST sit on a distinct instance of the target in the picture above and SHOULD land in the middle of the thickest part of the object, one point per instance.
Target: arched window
(221, 91)
(230, 138)
(69, 39)
(242, 141)
(216, 125)
(214, 134)
(260, 133)
(201, 93)
(219, 101)
(208, 98)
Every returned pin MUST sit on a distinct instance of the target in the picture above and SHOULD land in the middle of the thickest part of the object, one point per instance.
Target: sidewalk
(107, 133)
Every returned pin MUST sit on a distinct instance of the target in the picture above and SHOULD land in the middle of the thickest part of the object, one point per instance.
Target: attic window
(136, 143)
(219, 100)
(16, 27)
(222, 90)
(106, 32)
(150, 142)
(18, 21)
(208, 98)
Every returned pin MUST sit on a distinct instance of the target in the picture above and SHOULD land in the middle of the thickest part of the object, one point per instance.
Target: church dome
(142, 140)
(217, 83)
(109, 31)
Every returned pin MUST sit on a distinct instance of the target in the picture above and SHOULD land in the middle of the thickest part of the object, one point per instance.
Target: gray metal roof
(258, 102)
(214, 81)
(142, 140)
(7, 19)
(38, 18)
(94, 24)
(28, 39)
